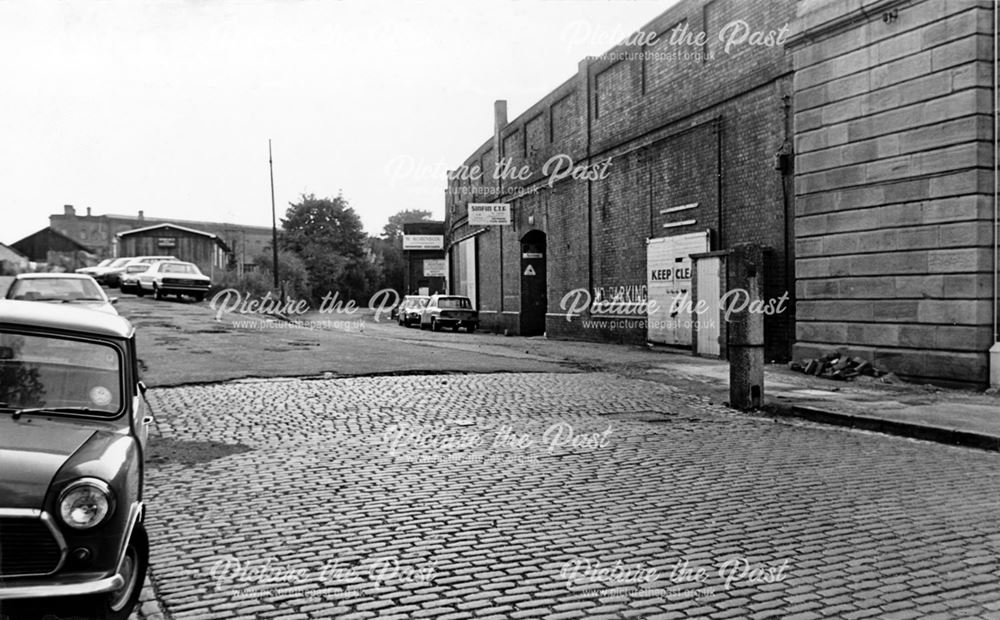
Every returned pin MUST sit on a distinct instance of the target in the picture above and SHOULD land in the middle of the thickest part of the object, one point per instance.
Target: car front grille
(192, 283)
(28, 547)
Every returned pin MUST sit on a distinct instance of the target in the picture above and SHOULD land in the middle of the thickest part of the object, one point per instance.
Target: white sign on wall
(668, 283)
(435, 267)
(489, 214)
(423, 242)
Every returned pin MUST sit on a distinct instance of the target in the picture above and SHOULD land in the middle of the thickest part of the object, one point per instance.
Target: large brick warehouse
(686, 138)
(877, 241)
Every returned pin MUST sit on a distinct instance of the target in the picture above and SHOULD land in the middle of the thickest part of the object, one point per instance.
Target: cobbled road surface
(551, 495)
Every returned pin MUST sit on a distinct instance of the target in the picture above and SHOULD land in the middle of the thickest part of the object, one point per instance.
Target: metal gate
(709, 292)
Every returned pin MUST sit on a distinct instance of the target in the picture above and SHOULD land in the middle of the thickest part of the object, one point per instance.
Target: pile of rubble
(837, 366)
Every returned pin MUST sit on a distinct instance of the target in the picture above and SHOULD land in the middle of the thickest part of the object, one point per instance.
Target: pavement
(951, 416)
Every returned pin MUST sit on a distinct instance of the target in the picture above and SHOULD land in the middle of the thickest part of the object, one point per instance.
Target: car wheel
(471, 329)
(156, 292)
(139, 292)
(435, 326)
(118, 604)
(199, 296)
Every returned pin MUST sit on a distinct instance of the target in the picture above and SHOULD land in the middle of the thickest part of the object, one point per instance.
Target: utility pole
(274, 219)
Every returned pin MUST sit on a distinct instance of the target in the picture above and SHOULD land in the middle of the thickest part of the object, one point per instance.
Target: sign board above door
(489, 214)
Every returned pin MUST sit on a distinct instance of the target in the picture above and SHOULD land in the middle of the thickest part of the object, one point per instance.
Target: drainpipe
(499, 122)
(995, 349)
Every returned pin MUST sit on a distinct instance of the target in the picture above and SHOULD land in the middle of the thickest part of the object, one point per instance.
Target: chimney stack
(499, 122)
(142, 216)
(499, 115)
(69, 210)
(88, 211)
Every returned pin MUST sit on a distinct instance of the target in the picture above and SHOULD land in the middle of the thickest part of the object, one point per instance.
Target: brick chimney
(68, 210)
(142, 215)
(88, 211)
(499, 122)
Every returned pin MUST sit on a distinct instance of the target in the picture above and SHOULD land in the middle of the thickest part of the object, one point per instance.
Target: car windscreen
(54, 372)
(55, 289)
(121, 262)
(454, 302)
(179, 268)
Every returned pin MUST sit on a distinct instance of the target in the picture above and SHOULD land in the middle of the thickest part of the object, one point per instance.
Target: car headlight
(85, 504)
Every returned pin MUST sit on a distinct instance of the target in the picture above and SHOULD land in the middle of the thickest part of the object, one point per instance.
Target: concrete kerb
(889, 427)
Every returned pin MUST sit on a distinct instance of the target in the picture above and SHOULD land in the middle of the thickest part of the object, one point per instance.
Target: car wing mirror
(142, 388)
(113, 300)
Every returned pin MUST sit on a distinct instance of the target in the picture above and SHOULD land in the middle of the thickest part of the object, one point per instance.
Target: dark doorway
(534, 298)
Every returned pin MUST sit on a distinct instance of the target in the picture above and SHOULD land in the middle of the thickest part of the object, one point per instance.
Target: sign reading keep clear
(489, 214)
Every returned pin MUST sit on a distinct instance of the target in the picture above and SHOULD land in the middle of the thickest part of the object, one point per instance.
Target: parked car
(174, 278)
(100, 273)
(112, 277)
(90, 271)
(410, 308)
(65, 288)
(452, 311)
(73, 435)
(129, 279)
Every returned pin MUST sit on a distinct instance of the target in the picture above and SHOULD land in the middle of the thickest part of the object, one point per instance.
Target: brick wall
(686, 122)
(893, 217)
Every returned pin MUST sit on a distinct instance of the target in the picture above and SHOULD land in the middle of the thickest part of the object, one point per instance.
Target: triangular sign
(530, 271)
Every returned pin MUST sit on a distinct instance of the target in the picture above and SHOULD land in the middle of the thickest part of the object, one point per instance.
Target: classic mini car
(65, 288)
(112, 276)
(73, 435)
(410, 308)
(174, 278)
(91, 271)
(451, 311)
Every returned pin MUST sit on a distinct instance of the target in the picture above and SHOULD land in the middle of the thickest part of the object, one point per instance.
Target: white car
(173, 278)
(67, 288)
(113, 276)
(100, 273)
(96, 269)
(129, 278)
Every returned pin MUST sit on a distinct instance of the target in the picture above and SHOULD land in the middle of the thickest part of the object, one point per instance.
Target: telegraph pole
(274, 219)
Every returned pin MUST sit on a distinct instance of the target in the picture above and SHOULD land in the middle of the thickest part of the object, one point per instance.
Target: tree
(331, 223)
(393, 230)
(390, 260)
(291, 269)
(328, 236)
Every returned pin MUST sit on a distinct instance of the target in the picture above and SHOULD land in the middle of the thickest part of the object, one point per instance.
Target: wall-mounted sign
(166, 242)
(435, 267)
(423, 242)
(489, 214)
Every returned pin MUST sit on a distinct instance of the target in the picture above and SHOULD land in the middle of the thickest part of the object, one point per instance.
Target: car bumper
(458, 322)
(49, 587)
(182, 288)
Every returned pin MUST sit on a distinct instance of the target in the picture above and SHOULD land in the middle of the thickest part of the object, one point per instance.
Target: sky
(168, 106)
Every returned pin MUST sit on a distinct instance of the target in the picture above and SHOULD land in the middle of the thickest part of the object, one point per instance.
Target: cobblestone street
(580, 495)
